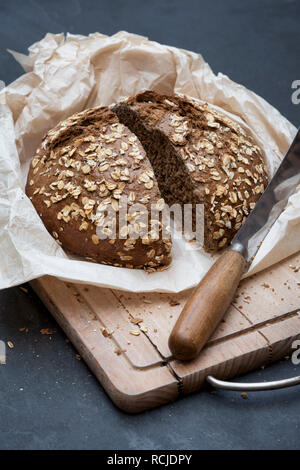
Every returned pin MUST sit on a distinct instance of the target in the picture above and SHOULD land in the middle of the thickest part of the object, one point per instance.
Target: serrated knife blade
(270, 205)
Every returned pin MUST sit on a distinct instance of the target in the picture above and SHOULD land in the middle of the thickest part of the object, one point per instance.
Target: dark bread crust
(87, 161)
(200, 156)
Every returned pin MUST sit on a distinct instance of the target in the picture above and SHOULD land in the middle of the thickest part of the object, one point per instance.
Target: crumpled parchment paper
(65, 75)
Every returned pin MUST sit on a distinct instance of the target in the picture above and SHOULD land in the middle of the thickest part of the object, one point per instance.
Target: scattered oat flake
(134, 332)
(47, 331)
(10, 344)
(173, 303)
(136, 321)
(146, 301)
(24, 289)
(144, 329)
(267, 286)
(78, 357)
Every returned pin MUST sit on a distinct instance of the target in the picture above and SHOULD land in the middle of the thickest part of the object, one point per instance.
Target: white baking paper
(68, 74)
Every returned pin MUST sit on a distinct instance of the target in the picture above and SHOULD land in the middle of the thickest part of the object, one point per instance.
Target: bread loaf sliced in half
(89, 163)
(199, 156)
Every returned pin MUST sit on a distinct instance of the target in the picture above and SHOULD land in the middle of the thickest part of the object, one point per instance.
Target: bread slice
(199, 156)
(89, 162)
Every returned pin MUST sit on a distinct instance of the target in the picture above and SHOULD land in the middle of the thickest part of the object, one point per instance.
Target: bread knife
(206, 307)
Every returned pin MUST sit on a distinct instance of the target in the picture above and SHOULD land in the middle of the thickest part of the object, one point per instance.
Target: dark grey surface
(48, 398)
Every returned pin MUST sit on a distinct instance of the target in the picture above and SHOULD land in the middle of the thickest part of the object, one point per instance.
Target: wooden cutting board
(133, 362)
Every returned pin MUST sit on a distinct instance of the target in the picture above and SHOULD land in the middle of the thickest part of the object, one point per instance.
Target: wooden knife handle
(207, 306)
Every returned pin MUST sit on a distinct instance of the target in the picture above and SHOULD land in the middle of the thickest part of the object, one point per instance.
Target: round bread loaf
(149, 148)
(199, 156)
(86, 165)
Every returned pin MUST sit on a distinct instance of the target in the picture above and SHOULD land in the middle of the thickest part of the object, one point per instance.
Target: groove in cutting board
(115, 318)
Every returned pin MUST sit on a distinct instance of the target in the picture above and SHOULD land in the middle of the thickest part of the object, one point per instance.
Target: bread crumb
(10, 344)
(106, 333)
(119, 351)
(47, 331)
(244, 395)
